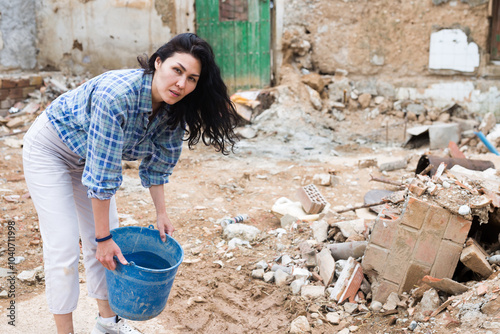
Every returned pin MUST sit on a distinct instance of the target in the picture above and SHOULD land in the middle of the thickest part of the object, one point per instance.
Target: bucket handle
(131, 263)
(151, 226)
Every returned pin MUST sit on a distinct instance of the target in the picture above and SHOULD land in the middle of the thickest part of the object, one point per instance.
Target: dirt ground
(213, 291)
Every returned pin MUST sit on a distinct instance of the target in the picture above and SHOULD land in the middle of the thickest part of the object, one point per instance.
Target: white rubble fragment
(464, 210)
(269, 276)
(392, 302)
(301, 273)
(234, 242)
(286, 259)
(350, 307)
(333, 318)
(258, 273)
(320, 230)
(312, 291)
(242, 231)
(280, 277)
(300, 325)
(376, 306)
(296, 285)
(261, 265)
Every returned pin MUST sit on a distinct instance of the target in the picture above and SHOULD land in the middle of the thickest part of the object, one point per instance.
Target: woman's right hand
(106, 250)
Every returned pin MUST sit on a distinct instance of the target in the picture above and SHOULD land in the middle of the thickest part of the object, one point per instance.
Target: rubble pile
(403, 263)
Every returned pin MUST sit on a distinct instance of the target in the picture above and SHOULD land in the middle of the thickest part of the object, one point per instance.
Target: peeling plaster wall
(17, 35)
(377, 37)
(98, 35)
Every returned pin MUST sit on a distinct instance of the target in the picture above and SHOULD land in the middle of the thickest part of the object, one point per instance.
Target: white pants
(53, 174)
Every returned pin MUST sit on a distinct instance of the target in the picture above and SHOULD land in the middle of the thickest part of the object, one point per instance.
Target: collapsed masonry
(425, 240)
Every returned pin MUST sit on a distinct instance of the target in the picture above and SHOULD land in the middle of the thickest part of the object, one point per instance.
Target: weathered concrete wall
(17, 35)
(98, 35)
(377, 37)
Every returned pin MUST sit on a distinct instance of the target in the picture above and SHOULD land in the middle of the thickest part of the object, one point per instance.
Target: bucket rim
(150, 270)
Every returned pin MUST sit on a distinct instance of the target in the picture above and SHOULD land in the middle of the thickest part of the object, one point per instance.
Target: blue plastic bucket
(139, 290)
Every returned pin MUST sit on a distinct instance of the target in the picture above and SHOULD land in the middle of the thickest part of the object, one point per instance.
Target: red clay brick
(457, 229)
(23, 82)
(16, 93)
(436, 220)
(414, 276)
(36, 80)
(427, 247)
(446, 260)
(383, 232)
(9, 83)
(400, 254)
(415, 213)
(374, 259)
(383, 289)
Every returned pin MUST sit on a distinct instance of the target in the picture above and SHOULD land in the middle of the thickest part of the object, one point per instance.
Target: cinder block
(427, 247)
(374, 259)
(457, 229)
(473, 257)
(446, 260)
(413, 277)
(414, 215)
(311, 199)
(384, 232)
(400, 254)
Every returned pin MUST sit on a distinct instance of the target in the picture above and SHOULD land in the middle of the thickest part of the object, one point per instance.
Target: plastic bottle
(238, 219)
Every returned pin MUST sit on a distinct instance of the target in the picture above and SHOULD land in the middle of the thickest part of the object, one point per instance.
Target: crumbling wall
(17, 35)
(94, 36)
(376, 37)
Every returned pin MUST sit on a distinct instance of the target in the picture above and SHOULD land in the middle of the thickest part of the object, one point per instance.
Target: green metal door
(240, 34)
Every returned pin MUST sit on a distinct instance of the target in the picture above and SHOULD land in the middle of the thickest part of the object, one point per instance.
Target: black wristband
(104, 239)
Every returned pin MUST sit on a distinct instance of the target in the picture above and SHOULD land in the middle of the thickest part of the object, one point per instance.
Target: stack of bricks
(14, 89)
(425, 240)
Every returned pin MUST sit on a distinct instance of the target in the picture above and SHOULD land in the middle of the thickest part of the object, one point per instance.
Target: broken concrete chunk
(312, 291)
(392, 302)
(280, 277)
(323, 179)
(430, 301)
(269, 276)
(300, 325)
(445, 284)
(349, 281)
(288, 220)
(296, 285)
(320, 230)
(242, 231)
(474, 257)
(326, 264)
(344, 250)
(258, 273)
(393, 165)
(351, 227)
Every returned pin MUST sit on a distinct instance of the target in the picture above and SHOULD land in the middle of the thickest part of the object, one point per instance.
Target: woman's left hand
(164, 226)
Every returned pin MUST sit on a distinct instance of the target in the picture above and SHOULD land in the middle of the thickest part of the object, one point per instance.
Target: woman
(72, 161)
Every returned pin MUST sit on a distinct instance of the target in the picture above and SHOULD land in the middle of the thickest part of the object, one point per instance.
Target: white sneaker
(119, 327)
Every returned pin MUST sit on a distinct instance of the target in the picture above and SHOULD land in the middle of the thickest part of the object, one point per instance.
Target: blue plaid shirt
(105, 121)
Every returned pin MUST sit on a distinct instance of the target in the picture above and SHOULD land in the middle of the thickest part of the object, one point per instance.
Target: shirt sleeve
(156, 168)
(102, 174)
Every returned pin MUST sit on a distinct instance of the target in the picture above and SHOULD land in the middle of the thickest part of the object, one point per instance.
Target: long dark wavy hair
(207, 112)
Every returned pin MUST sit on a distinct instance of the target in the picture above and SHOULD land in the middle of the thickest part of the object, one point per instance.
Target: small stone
(350, 307)
(280, 277)
(333, 318)
(352, 329)
(413, 325)
(344, 331)
(464, 210)
(376, 306)
(258, 273)
(261, 265)
(4, 294)
(296, 286)
(269, 276)
(300, 325)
